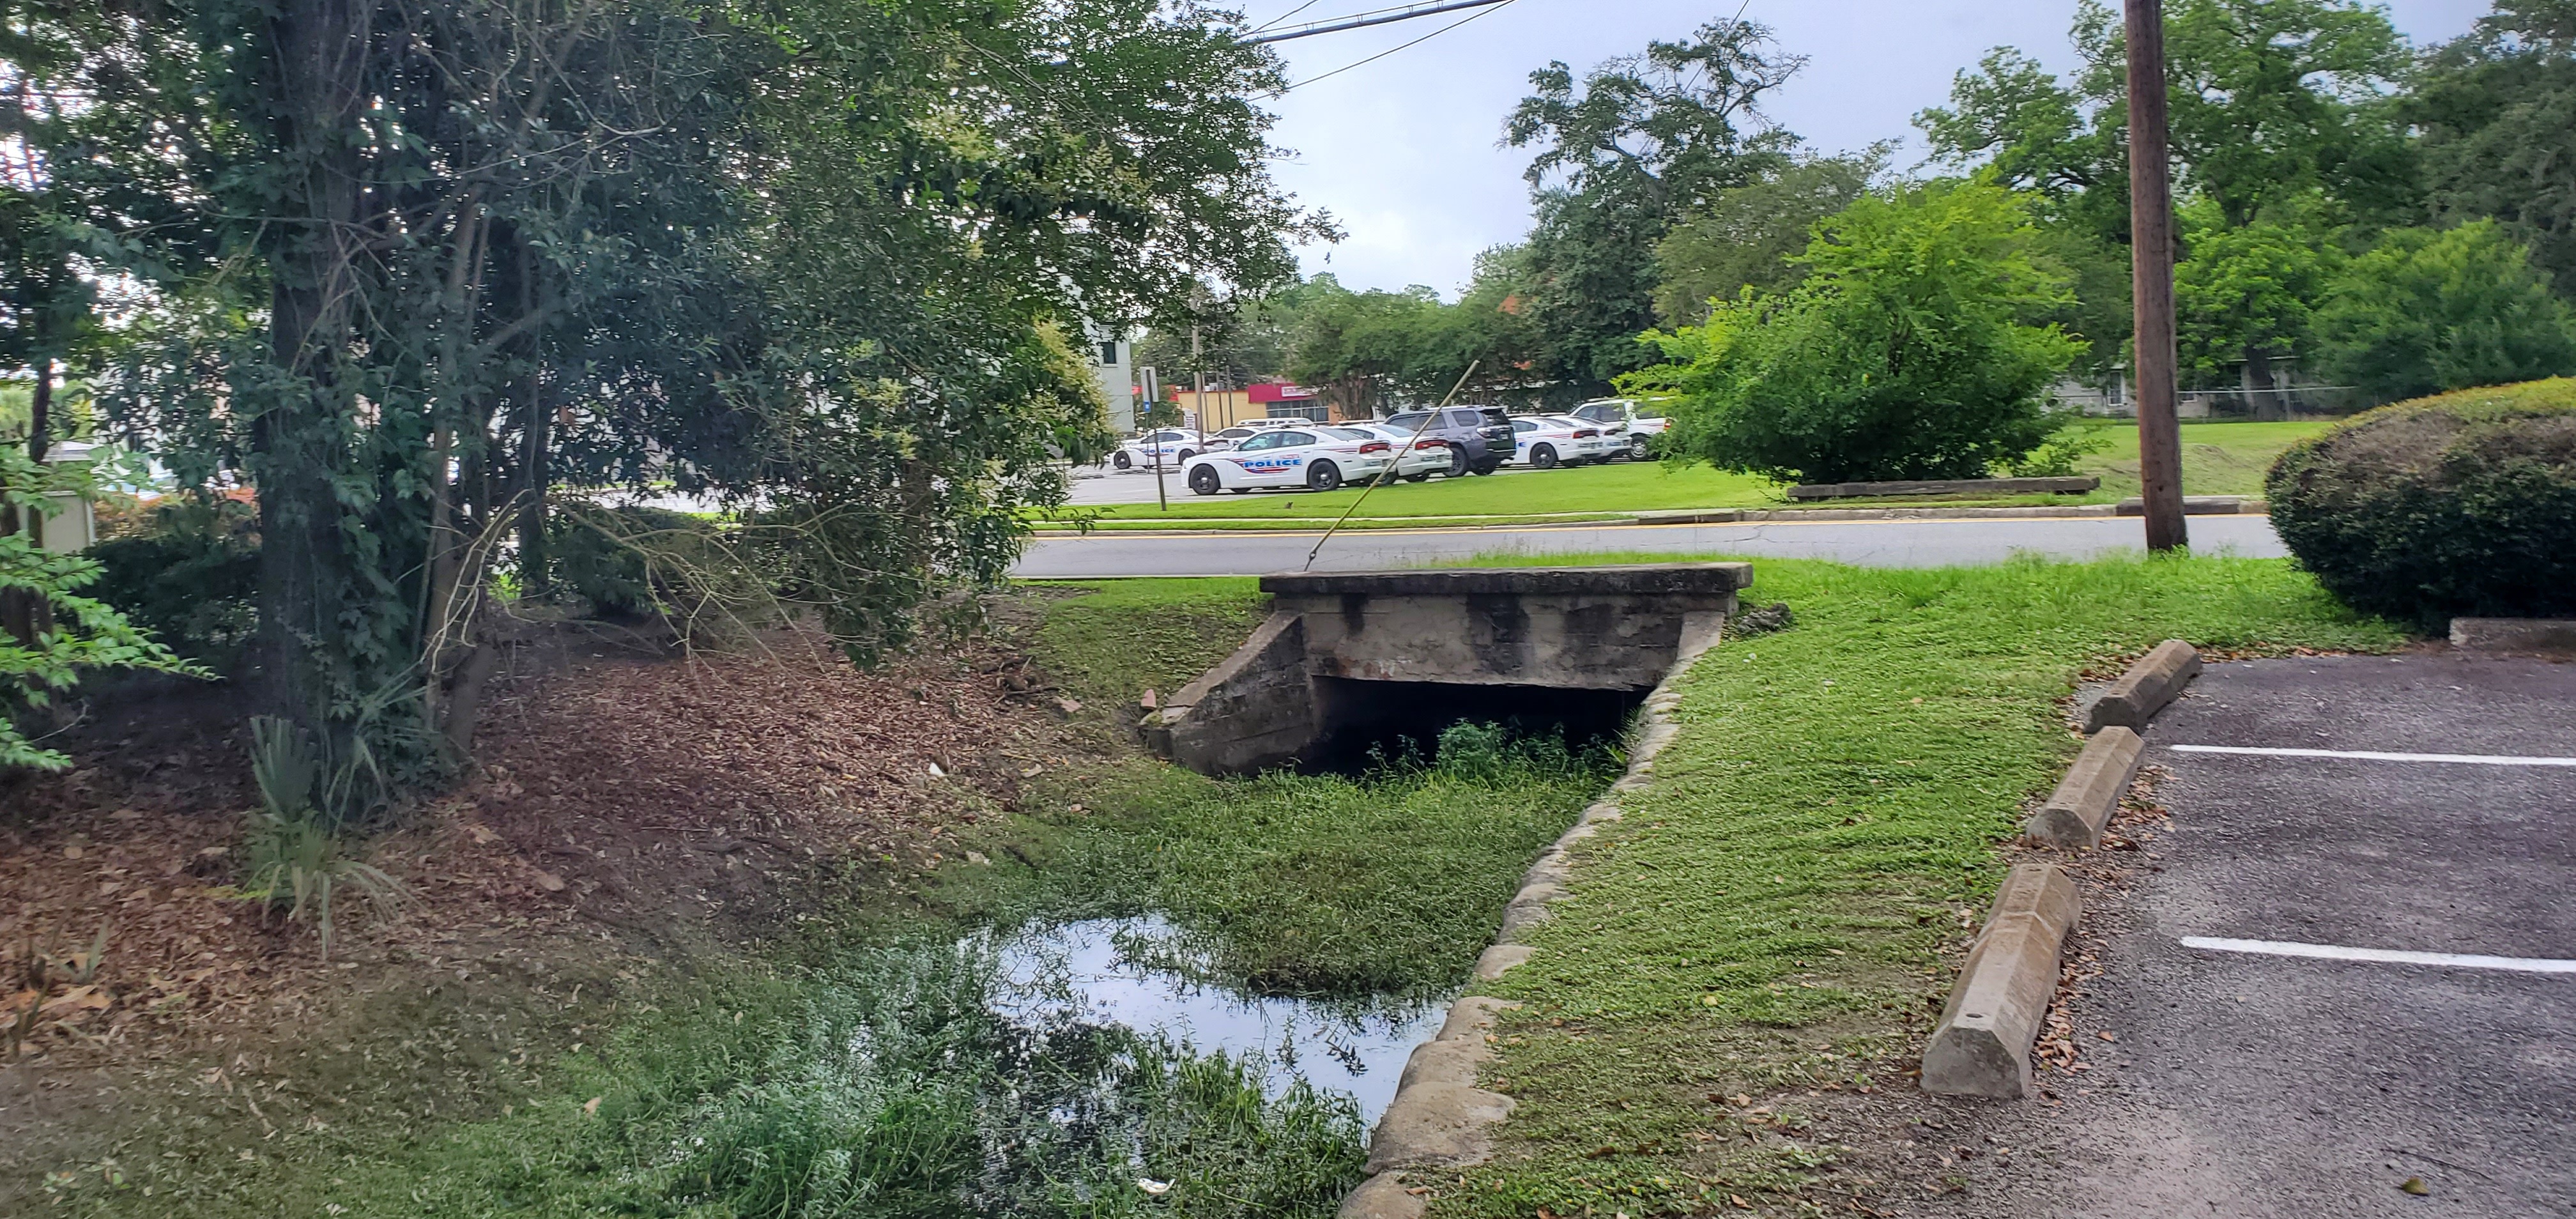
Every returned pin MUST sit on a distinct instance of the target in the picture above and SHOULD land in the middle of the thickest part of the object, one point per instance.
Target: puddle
(1081, 969)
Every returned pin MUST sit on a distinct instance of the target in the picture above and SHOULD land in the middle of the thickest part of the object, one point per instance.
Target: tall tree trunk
(307, 570)
(535, 577)
(24, 614)
(40, 411)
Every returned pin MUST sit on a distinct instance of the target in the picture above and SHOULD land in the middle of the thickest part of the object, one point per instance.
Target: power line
(1406, 12)
(1284, 16)
(1495, 7)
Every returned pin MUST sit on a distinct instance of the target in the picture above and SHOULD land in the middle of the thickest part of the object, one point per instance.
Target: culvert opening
(1364, 720)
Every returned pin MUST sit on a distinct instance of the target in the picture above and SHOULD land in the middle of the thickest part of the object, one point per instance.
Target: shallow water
(1080, 968)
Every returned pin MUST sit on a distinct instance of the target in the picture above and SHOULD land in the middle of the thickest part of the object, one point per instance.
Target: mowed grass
(1774, 916)
(1381, 886)
(2218, 459)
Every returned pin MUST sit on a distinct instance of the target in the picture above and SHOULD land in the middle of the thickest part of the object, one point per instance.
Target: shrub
(2430, 311)
(1908, 352)
(2459, 504)
(54, 630)
(633, 563)
(291, 857)
(188, 572)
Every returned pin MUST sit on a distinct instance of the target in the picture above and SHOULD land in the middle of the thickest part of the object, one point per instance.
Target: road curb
(2514, 634)
(1440, 1121)
(2074, 814)
(2157, 679)
(1981, 1047)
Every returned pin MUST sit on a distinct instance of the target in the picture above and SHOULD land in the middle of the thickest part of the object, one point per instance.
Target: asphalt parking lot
(2347, 964)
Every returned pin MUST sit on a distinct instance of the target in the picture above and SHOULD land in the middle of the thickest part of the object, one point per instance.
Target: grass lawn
(2218, 459)
(1777, 917)
(852, 1067)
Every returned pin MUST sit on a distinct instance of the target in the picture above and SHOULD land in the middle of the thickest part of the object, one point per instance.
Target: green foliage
(1906, 353)
(635, 562)
(189, 574)
(292, 856)
(74, 632)
(887, 1086)
(2281, 123)
(2063, 455)
(2458, 504)
(1641, 142)
(1370, 351)
(1747, 235)
(2497, 113)
(2426, 311)
(2246, 292)
(816, 258)
(1387, 885)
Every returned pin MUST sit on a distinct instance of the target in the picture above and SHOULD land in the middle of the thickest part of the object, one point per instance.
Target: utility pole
(2151, 245)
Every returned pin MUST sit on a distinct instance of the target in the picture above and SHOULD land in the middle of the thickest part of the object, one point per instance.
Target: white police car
(1318, 457)
(1169, 448)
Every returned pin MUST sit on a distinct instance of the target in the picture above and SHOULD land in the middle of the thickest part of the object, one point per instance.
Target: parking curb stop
(1981, 1046)
(2075, 813)
(2157, 679)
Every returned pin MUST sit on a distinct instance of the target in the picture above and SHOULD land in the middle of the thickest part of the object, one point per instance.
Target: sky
(1404, 152)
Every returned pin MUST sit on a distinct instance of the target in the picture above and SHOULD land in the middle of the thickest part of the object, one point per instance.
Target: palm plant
(291, 856)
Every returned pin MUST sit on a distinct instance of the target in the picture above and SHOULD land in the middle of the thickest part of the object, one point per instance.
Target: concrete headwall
(1587, 628)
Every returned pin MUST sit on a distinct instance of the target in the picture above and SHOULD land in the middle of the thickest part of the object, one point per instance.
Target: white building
(1112, 356)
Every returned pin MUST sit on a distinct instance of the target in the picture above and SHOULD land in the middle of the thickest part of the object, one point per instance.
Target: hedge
(2461, 503)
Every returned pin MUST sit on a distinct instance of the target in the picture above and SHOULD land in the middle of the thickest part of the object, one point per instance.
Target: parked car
(1479, 437)
(1543, 442)
(1415, 460)
(1174, 447)
(1620, 419)
(1316, 459)
(1246, 430)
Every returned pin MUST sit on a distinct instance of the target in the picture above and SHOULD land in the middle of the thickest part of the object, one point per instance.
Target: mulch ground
(638, 800)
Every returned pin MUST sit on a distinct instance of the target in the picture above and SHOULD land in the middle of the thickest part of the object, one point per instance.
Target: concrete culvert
(1360, 657)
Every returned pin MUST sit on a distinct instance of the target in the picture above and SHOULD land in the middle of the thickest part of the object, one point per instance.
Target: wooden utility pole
(2151, 248)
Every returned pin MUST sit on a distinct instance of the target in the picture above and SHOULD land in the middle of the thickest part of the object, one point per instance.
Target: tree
(2281, 113)
(817, 256)
(1642, 141)
(1906, 353)
(2427, 311)
(78, 633)
(2497, 110)
(1747, 234)
(2244, 294)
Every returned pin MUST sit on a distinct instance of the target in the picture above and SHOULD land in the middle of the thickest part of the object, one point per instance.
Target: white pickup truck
(1620, 417)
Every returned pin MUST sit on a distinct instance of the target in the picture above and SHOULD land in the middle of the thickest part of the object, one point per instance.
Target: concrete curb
(1981, 1047)
(2074, 814)
(2157, 679)
(1440, 1120)
(2514, 634)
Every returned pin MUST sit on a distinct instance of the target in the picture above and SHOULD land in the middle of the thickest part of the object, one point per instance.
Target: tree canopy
(412, 269)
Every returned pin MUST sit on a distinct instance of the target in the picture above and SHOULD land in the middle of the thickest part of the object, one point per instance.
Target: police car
(1318, 457)
(1169, 448)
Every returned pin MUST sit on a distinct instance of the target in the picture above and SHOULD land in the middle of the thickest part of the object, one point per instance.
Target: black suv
(1479, 437)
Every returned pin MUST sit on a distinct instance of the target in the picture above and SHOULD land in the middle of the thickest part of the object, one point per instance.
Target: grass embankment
(1773, 916)
(858, 1070)
(2218, 459)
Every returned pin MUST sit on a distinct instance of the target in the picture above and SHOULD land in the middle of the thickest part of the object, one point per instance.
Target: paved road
(2263, 1066)
(1905, 543)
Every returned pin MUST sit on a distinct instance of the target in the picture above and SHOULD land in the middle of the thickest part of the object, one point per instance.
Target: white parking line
(2383, 956)
(2366, 755)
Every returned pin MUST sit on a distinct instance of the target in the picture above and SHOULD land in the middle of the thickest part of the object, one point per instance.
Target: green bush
(633, 563)
(1910, 351)
(2463, 503)
(189, 574)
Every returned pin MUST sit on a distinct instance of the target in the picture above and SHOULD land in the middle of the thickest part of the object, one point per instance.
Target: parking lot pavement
(2333, 974)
